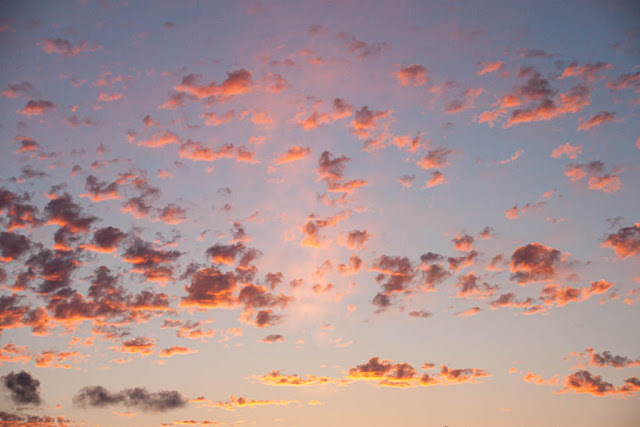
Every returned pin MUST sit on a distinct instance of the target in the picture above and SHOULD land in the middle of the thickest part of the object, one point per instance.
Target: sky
(310, 213)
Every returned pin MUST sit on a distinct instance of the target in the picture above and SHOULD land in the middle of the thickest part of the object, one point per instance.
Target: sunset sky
(320, 213)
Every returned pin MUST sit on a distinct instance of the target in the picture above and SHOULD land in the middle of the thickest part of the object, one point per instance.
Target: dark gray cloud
(24, 389)
(139, 398)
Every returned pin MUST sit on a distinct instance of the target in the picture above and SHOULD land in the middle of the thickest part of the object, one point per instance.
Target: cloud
(241, 402)
(437, 178)
(37, 108)
(395, 276)
(464, 102)
(571, 151)
(292, 154)
(509, 300)
(109, 97)
(469, 286)
(139, 398)
(584, 382)
(598, 180)
(555, 294)
(467, 260)
(64, 212)
(625, 242)
(238, 82)
(142, 345)
(421, 314)
(154, 264)
(271, 338)
(340, 110)
(489, 67)
(172, 214)
(407, 180)
(588, 72)
(463, 243)
(536, 379)
(195, 151)
(534, 263)
(356, 239)
(105, 240)
(383, 373)
(23, 388)
(436, 159)
(626, 81)
(27, 145)
(160, 139)
(13, 246)
(468, 312)
(572, 101)
(311, 230)
(15, 90)
(210, 288)
(361, 49)
(14, 314)
(14, 354)
(74, 121)
(352, 267)
(99, 191)
(412, 75)
(172, 351)
(67, 48)
(52, 359)
(366, 121)
(603, 117)
(275, 378)
(605, 359)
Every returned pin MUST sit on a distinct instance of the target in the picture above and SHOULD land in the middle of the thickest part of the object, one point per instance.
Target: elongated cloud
(238, 82)
(293, 154)
(603, 117)
(139, 398)
(490, 67)
(383, 373)
(584, 382)
(37, 107)
(604, 359)
(67, 48)
(240, 402)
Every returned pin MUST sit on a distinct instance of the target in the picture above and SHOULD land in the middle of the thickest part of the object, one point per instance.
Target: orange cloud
(534, 263)
(412, 75)
(37, 108)
(293, 154)
(584, 382)
(14, 354)
(241, 402)
(603, 117)
(625, 242)
(277, 379)
(490, 67)
(571, 151)
(238, 82)
(142, 345)
(366, 121)
(468, 312)
(172, 351)
(51, 359)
